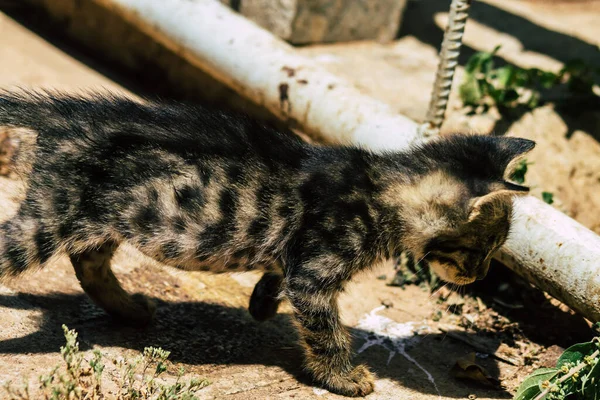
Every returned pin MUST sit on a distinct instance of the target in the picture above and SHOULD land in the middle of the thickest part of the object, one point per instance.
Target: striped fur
(201, 189)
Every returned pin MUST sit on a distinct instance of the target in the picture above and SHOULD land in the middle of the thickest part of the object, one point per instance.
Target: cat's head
(458, 212)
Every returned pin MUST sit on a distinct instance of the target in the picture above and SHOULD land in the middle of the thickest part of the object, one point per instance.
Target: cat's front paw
(357, 383)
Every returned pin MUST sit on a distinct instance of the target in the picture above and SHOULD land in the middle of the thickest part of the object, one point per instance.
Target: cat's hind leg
(93, 269)
(266, 297)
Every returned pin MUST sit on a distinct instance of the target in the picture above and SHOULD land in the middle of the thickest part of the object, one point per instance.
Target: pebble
(387, 303)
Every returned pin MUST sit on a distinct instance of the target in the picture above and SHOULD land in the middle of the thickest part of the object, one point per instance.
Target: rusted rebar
(459, 13)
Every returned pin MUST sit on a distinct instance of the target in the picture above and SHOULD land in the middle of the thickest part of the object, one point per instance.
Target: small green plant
(150, 366)
(575, 377)
(76, 380)
(509, 87)
(139, 379)
(548, 197)
(412, 272)
(518, 174)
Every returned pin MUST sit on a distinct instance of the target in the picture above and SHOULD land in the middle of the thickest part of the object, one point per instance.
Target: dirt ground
(410, 337)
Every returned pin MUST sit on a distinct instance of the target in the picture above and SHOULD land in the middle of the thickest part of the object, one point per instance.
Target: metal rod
(459, 12)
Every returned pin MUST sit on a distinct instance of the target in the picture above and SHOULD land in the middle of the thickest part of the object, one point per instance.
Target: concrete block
(315, 21)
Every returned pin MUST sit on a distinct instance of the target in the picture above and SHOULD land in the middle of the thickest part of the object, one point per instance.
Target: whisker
(417, 272)
(447, 310)
(437, 291)
(422, 267)
(422, 258)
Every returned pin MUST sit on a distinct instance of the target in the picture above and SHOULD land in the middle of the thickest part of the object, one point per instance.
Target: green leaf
(518, 175)
(528, 394)
(505, 75)
(496, 94)
(510, 96)
(576, 352)
(481, 62)
(160, 368)
(531, 385)
(548, 79)
(470, 92)
(487, 65)
(548, 197)
(523, 77)
(475, 63)
(536, 76)
(510, 86)
(534, 100)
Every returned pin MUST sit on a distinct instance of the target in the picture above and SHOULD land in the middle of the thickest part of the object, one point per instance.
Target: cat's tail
(25, 244)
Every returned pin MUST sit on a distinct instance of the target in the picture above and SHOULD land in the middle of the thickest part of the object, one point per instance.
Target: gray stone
(315, 21)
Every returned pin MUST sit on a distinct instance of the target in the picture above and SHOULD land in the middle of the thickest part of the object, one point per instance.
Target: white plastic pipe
(553, 251)
(557, 254)
(267, 70)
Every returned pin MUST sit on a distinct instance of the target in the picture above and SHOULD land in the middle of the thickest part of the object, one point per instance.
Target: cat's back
(103, 124)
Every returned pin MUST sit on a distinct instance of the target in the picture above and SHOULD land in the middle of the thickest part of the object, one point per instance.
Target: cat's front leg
(327, 344)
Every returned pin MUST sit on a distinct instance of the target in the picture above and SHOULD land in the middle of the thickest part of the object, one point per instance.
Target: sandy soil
(202, 318)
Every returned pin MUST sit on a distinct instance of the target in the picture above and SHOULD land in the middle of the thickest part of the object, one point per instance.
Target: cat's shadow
(199, 333)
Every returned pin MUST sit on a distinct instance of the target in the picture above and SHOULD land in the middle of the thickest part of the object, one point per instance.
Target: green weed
(576, 376)
(509, 87)
(138, 379)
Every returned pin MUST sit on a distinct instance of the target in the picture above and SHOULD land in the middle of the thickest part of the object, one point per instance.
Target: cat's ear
(492, 206)
(511, 149)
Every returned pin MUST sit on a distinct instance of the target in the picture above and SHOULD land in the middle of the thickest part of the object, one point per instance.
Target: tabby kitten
(200, 189)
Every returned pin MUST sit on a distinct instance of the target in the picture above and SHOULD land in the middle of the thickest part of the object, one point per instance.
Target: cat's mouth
(464, 280)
